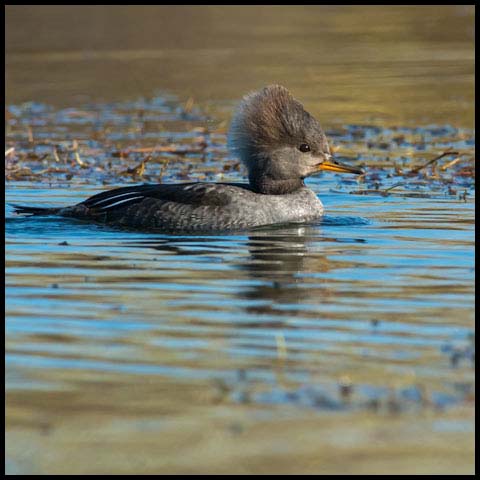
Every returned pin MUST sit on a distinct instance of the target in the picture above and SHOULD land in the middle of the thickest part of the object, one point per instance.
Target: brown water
(341, 347)
(399, 65)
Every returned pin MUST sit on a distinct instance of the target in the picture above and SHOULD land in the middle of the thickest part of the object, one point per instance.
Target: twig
(188, 105)
(384, 192)
(169, 149)
(421, 167)
(80, 161)
(281, 346)
(55, 155)
(450, 164)
(138, 170)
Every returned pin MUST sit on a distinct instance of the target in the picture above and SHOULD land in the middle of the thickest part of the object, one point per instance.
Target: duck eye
(304, 147)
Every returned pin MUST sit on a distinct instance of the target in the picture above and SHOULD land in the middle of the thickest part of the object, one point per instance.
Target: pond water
(378, 288)
(250, 351)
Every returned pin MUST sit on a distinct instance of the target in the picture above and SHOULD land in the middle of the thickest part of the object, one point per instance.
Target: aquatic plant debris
(132, 141)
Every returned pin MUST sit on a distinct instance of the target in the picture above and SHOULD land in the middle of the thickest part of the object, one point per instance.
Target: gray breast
(246, 209)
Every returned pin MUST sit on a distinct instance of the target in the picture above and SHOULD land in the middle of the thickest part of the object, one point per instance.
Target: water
(347, 339)
(405, 65)
(387, 285)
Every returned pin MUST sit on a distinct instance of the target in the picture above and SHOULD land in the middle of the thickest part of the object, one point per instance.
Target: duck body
(191, 207)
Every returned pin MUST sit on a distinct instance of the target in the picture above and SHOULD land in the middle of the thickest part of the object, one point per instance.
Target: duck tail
(23, 210)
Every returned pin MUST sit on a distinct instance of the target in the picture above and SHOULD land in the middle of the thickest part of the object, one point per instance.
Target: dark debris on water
(159, 140)
(111, 144)
(346, 395)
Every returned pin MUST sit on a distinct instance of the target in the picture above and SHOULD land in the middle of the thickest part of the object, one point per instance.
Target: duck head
(279, 142)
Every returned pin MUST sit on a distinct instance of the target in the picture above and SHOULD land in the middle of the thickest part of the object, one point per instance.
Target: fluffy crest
(270, 118)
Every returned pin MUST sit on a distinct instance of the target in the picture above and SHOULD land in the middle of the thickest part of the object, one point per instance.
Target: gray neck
(270, 186)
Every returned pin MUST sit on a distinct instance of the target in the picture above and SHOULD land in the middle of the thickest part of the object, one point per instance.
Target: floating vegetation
(347, 395)
(132, 142)
(410, 162)
(113, 144)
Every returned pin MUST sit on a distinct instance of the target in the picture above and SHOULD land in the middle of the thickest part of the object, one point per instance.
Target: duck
(279, 143)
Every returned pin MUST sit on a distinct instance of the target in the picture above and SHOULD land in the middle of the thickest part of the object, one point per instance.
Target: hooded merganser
(277, 140)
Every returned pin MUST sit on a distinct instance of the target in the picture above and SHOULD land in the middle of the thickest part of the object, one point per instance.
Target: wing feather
(212, 194)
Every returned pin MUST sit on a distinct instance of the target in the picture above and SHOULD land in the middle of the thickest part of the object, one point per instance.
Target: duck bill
(332, 165)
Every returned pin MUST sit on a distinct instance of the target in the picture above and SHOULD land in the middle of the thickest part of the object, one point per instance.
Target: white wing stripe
(114, 197)
(105, 207)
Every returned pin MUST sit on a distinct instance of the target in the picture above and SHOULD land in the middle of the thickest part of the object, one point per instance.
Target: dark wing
(213, 194)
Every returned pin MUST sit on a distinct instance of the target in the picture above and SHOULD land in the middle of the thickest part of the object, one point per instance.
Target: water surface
(342, 346)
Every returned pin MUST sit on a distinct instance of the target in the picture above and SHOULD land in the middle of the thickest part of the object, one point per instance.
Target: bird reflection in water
(280, 263)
